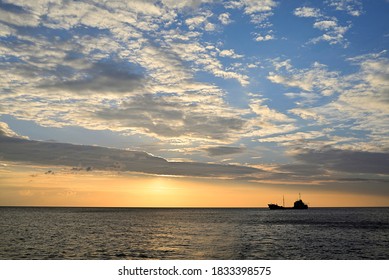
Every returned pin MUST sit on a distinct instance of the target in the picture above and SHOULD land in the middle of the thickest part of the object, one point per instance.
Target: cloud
(265, 113)
(306, 113)
(229, 53)
(328, 164)
(201, 22)
(266, 37)
(205, 59)
(225, 18)
(99, 158)
(333, 32)
(292, 138)
(357, 106)
(6, 131)
(300, 171)
(17, 15)
(347, 160)
(315, 79)
(209, 27)
(267, 121)
(171, 117)
(258, 11)
(325, 24)
(148, 69)
(198, 21)
(374, 70)
(307, 12)
(87, 62)
(224, 150)
(311, 166)
(101, 77)
(184, 3)
(253, 6)
(303, 98)
(352, 7)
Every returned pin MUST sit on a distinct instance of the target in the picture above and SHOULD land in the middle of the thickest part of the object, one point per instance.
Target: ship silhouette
(298, 204)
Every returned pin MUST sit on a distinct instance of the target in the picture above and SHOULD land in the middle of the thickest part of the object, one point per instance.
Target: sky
(194, 103)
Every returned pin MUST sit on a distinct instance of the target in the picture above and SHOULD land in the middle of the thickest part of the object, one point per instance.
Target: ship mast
(283, 201)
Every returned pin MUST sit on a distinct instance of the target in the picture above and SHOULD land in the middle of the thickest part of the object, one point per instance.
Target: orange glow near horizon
(108, 190)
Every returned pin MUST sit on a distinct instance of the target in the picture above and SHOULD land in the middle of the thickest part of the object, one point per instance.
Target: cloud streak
(347, 161)
(224, 150)
(99, 158)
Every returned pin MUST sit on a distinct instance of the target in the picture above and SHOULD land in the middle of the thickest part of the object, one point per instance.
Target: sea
(193, 233)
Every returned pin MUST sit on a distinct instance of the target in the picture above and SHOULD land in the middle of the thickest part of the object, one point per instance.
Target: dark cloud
(100, 158)
(171, 118)
(325, 165)
(105, 76)
(36, 152)
(363, 180)
(305, 170)
(224, 150)
(347, 160)
(313, 166)
(212, 125)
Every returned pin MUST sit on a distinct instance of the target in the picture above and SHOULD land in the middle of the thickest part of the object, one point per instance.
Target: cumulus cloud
(6, 131)
(374, 70)
(258, 11)
(201, 22)
(307, 12)
(184, 3)
(225, 18)
(267, 121)
(252, 6)
(266, 37)
(317, 78)
(197, 21)
(88, 61)
(267, 114)
(334, 33)
(230, 53)
(325, 24)
(358, 104)
(352, 7)
(17, 15)
(205, 59)
(209, 27)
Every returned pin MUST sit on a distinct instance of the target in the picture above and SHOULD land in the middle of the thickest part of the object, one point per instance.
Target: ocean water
(139, 233)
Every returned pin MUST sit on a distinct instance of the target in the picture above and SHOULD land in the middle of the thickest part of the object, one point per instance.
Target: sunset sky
(194, 103)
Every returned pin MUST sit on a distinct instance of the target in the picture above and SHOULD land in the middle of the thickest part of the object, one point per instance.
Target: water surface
(152, 233)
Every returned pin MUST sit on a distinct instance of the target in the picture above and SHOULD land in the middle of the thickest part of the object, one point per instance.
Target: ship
(298, 204)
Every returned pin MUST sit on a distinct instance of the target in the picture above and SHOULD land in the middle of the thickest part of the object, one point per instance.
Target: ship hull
(278, 207)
